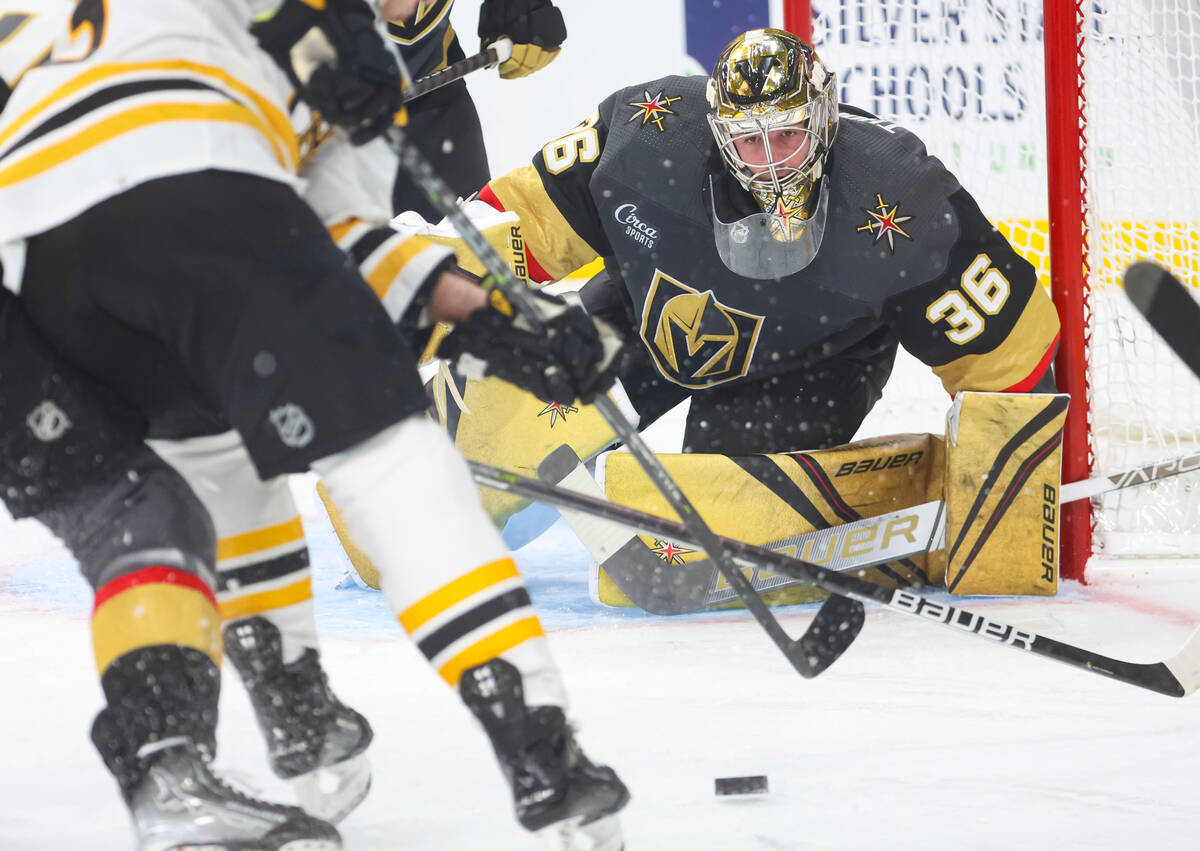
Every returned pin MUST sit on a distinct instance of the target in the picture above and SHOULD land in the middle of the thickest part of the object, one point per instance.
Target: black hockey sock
(155, 693)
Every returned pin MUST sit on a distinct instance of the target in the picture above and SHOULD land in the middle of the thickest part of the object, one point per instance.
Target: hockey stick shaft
(495, 53)
(1176, 677)
(820, 645)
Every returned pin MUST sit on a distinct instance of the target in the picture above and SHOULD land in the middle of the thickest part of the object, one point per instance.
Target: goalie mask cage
(1112, 177)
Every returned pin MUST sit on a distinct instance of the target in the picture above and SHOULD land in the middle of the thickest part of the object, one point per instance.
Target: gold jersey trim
(1014, 359)
(548, 235)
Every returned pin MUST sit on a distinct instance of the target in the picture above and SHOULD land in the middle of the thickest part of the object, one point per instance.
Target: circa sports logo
(637, 230)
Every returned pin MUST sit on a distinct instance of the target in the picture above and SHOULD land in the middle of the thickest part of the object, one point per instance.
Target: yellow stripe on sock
(457, 591)
(155, 613)
(265, 601)
(260, 539)
(491, 647)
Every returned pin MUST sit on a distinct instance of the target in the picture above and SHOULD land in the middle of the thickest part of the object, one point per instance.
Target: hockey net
(971, 78)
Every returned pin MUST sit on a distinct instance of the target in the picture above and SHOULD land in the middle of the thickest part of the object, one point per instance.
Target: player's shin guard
(408, 499)
(409, 502)
(145, 544)
(265, 592)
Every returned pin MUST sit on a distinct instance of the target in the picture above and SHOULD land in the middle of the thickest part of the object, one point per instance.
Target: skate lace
(232, 788)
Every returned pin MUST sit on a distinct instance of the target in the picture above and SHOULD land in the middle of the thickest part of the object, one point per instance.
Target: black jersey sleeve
(552, 196)
(985, 323)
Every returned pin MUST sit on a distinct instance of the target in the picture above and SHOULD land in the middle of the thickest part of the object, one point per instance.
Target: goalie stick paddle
(1169, 308)
(681, 588)
(1178, 676)
(497, 52)
(826, 637)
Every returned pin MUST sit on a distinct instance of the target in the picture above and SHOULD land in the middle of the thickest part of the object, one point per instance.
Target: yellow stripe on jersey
(155, 613)
(1011, 361)
(491, 647)
(455, 592)
(339, 231)
(125, 122)
(389, 268)
(280, 132)
(258, 540)
(265, 601)
(550, 238)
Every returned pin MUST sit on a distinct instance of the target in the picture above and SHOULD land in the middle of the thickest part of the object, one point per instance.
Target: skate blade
(603, 834)
(332, 791)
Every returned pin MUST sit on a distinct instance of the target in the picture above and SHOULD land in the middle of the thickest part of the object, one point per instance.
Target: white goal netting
(968, 77)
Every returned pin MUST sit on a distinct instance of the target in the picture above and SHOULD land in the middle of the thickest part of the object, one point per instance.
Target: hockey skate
(314, 741)
(181, 805)
(558, 793)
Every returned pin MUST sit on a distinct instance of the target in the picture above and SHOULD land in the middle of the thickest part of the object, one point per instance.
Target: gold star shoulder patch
(652, 109)
(884, 220)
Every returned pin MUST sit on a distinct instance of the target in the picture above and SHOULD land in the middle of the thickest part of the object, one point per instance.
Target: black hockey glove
(535, 26)
(576, 357)
(339, 62)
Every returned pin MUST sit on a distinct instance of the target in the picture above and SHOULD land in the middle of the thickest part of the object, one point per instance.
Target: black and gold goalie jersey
(906, 250)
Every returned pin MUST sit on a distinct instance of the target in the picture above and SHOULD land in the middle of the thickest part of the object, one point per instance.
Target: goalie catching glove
(535, 27)
(339, 62)
(575, 356)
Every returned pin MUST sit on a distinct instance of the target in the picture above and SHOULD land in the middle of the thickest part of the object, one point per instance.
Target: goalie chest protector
(705, 325)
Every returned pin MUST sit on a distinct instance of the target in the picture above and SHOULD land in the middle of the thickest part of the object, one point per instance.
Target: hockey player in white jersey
(174, 260)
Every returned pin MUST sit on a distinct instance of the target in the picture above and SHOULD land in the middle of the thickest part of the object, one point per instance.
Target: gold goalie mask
(773, 112)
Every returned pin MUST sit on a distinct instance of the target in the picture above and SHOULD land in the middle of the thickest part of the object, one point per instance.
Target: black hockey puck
(755, 784)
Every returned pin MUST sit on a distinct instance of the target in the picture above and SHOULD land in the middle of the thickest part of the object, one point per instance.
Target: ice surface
(917, 738)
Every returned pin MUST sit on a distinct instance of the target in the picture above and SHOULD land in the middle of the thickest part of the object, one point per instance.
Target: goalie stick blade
(1169, 308)
(676, 589)
(645, 579)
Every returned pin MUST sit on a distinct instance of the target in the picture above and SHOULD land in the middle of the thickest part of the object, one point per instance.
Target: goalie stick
(1178, 676)
(835, 625)
(1171, 311)
(497, 52)
(677, 589)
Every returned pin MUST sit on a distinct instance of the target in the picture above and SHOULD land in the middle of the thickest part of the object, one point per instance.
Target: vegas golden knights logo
(696, 341)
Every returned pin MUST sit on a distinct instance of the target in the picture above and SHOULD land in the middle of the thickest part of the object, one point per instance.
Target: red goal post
(1076, 124)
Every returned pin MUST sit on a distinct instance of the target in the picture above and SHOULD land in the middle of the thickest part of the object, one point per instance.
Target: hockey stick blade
(1178, 676)
(664, 589)
(1169, 308)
